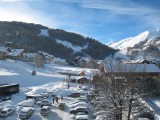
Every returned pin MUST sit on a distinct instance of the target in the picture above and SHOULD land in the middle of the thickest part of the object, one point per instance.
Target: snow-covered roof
(81, 77)
(6, 109)
(29, 54)
(59, 60)
(15, 52)
(25, 109)
(148, 68)
(27, 103)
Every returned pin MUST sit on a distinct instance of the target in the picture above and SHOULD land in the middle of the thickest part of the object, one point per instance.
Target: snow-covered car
(46, 102)
(79, 87)
(84, 88)
(83, 93)
(6, 112)
(27, 103)
(74, 95)
(39, 102)
(76, 101)
(81, 117)
(78, 104)
(73, 116)
(82, 99)
(45, 94)
(78, 109)
(34, 97)
(26, 113)
(45, 110)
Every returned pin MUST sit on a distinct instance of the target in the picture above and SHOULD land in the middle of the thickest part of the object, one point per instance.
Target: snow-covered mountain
(146, 44)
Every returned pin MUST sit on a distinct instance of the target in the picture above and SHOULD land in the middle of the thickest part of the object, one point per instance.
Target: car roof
(6, 109)
(25, 109)
(46, 107)
(80, 107)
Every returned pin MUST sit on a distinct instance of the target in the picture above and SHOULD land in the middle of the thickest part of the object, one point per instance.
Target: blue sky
(103, 20)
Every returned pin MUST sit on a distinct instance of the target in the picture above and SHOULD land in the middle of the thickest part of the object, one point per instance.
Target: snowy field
(20, 72)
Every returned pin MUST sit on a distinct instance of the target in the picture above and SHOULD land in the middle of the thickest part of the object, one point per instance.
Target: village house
(87, 62)
(3, 53)
(60, 61)
(91, 64)
(82, 80)
(15, 54)
(149, 71)
(47, 57)
(29, 57)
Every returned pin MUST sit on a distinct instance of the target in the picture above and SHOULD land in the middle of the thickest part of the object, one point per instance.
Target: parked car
(82, 99)
(39, 102)
(84, 88)
(74, 95)
(45, 110)
(79, 87)
(76, 101)
(46, 102)
(61, 106)
(78, 109)
(26, 113)
(78, 104)
(73, 116)
(45, 94)
(34, 97)
(27, 103)
(83, 93)
(6, 112)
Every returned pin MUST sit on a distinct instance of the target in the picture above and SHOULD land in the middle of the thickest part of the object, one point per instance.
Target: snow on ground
(20, 72)
(154, 104)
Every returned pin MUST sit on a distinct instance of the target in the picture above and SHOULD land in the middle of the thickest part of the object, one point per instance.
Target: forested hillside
(35, 37)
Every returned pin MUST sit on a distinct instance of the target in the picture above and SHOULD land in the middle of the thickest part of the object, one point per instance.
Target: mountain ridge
(36, 37)
(144, 45)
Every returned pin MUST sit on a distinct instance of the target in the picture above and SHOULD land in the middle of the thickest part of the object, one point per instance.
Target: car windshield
(3, 112)
(23, 113)
(44, 110)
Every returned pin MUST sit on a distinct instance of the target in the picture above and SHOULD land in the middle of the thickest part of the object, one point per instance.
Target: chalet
(29, 57)
(81, 61)
(82, 80)
(47, 57)
(3, 52)
(91, 64)
(15, 54)
(60, 61)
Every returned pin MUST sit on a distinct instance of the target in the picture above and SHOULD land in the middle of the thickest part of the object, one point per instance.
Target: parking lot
(55, 113)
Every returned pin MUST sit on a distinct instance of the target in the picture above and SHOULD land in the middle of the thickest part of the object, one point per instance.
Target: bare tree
(122, 88)
(39, 61)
